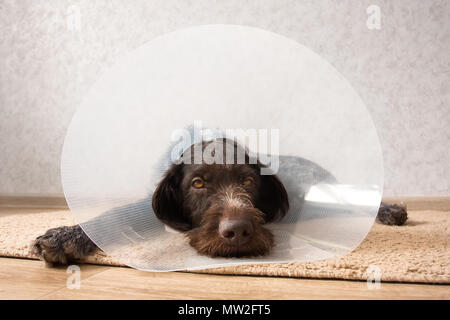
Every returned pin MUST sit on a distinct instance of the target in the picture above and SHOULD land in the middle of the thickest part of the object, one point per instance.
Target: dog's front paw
(62, 245)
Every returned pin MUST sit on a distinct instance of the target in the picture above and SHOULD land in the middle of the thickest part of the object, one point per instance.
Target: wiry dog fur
(63, 245)
(198, 212)
(225, 196)
(392, 214)
(205, 240)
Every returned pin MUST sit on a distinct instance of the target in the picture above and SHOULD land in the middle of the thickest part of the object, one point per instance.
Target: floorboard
(30, 279)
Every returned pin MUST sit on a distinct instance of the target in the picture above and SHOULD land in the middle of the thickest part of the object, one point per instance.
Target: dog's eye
(198, 183)
(247, 181)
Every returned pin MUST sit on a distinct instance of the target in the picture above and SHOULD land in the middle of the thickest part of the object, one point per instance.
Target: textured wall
(401, 71)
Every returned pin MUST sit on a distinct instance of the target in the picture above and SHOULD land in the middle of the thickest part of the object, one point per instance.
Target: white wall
(402, 72)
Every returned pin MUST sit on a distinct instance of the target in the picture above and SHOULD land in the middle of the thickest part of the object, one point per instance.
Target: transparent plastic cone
(223, 77)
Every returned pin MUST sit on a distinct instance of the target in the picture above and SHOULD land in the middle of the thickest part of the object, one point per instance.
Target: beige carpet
(416, 252)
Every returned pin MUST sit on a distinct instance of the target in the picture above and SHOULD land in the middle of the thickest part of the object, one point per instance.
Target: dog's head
(222, 207)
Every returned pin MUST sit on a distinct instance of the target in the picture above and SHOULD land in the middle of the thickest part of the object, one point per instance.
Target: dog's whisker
(221, 207)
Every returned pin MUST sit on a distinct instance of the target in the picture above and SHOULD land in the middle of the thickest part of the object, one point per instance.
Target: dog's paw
(62, 245)
(392, 214)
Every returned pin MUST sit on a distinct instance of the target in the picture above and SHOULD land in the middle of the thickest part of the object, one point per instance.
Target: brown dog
(221, 207)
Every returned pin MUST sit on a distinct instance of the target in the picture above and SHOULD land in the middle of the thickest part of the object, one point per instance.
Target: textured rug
(418, 251)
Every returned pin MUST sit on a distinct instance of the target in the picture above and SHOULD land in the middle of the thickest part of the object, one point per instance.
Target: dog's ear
(167, 201)
(273, 198)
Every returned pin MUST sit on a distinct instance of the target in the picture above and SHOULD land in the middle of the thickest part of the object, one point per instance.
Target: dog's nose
(236, 231)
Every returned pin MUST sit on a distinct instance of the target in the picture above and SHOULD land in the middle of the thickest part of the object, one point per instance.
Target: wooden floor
(30, 279)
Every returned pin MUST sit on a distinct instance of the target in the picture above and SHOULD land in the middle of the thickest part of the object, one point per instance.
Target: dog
(222, 208)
